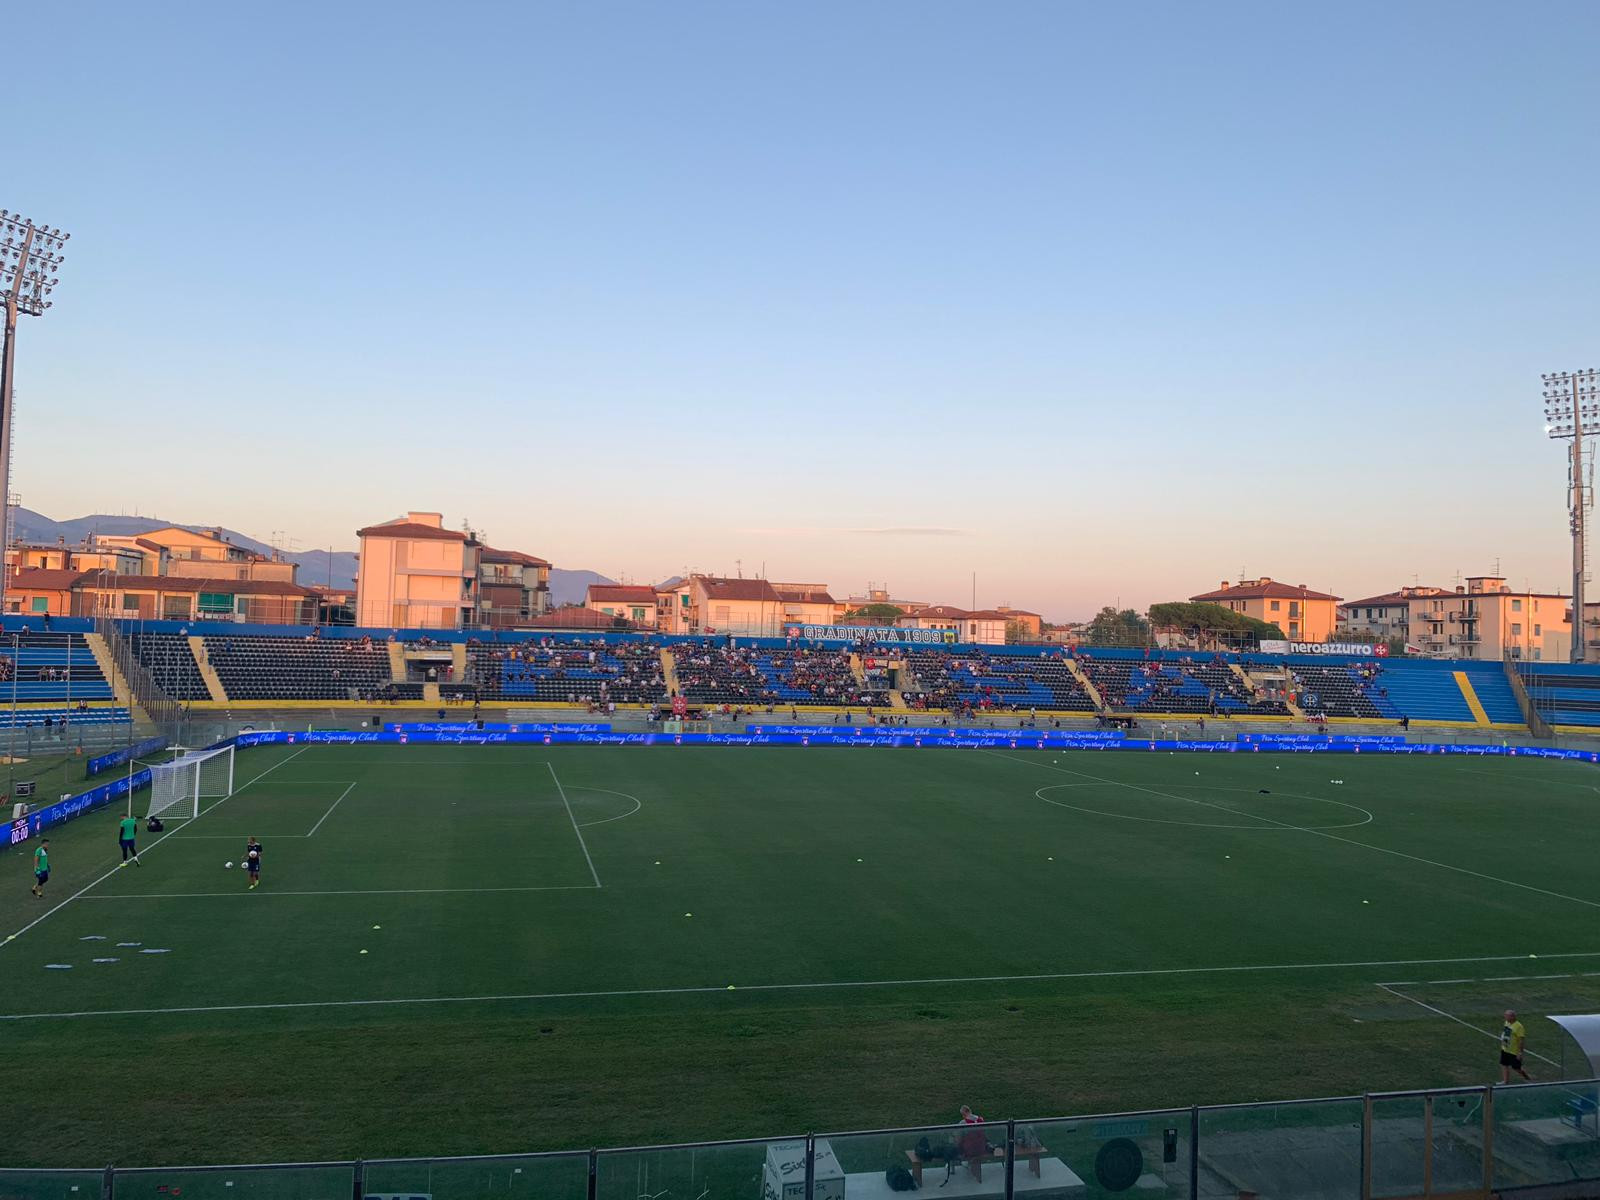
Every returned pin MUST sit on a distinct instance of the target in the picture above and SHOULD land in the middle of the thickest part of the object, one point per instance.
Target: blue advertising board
(36, 822)
(117, 758)
(936, 738)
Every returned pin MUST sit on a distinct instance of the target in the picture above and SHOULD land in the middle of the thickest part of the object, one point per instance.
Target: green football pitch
(496, 949)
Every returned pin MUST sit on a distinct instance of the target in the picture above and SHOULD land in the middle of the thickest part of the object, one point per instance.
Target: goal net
(177, 787)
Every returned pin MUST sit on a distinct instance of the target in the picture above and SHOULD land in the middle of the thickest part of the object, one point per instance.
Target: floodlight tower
(1571, 411)
(29, 257)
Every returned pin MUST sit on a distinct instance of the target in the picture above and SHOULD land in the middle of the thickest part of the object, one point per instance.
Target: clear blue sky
(1096, 301)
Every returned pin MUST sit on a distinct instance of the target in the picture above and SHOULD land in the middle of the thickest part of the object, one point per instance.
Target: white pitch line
(1451, 1016)
(780, 987)
(52, 912)
(331, 807)
(637, 805)
(554, 887)
(583, 844)
(1332, 837)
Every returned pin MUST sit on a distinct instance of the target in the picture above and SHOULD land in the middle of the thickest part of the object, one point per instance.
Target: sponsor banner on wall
(1344, 649)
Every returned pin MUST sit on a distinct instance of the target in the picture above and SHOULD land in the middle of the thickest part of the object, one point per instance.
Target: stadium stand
(49, 665)
(1182, 685)
(815, 676)
(717, 674)
(262, 664)
(1345, 690)
(299, 668)
(568, 671)
(1563, 693)
(973, 679)
(171, 664)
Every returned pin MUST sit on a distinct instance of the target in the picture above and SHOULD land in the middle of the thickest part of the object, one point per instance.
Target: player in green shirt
(41, 868)
(127, 830)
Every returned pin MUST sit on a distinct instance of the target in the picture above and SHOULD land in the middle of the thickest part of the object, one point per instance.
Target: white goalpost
(177, 787)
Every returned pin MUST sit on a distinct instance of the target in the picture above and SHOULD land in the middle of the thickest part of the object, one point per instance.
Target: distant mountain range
(319, 567)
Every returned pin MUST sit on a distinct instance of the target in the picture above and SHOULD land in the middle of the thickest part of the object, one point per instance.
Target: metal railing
(1458, 1142)
(165, 713)
(1537, 725)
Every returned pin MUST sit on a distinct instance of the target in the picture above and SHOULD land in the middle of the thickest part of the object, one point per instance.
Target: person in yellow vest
(1512, 1037)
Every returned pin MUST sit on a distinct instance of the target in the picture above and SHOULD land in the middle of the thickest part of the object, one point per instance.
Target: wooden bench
(995, 1154)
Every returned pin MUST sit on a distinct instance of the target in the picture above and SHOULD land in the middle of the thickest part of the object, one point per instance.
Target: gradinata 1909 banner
(886, 635)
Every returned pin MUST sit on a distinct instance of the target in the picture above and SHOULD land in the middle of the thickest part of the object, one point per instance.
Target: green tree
(1212, 624)
(875, 613)
(1112, 628)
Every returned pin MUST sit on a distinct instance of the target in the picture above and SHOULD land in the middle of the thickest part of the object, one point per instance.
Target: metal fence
(1541, 1139)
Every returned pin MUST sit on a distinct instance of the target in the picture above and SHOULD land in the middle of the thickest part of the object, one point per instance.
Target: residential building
(877, 595)
(985, 627)
(576, 617)
(200, 554)
(42, 590)
(1486, 619)
(754, 607)
(1386, 616)
(513, 587)
(89, 556)
(629, 602)
(1302, 614)
(739, 606)
(414, 573)
(673, 600)
(1029, 626)
(160, 597)
(807, 603)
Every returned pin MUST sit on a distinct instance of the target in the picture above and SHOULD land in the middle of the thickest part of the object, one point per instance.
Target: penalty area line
(554, 887)
(712, 989)
(583, 845)
(331, 807)
(1393, 991)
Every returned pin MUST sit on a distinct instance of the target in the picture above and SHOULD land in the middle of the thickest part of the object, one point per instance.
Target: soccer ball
(227, 864)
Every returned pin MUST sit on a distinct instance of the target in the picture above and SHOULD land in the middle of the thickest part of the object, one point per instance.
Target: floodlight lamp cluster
(1571, 397)
(29, 257)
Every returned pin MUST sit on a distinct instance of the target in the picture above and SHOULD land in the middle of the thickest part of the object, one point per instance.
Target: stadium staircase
(458, 662)
(106, 661)
(207, 671)
(1474, 705)
(1087, 685)
(431, 693)
(397, 662)
(669, 671)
